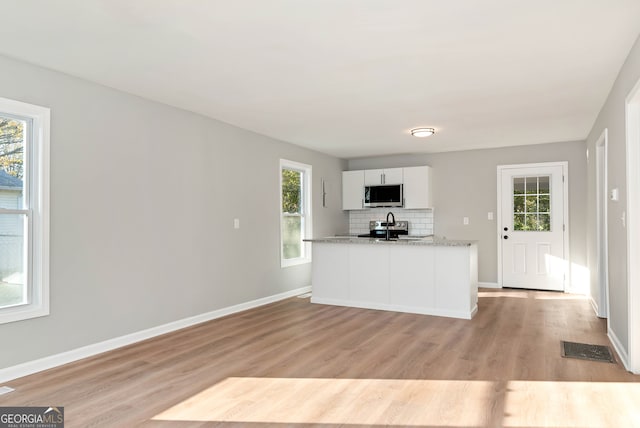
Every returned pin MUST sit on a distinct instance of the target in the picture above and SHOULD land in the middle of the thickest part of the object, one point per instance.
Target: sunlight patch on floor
(512, 294)
(560, 296)
(572, 404)
(337, 401)
(412, 403)
(531, 294)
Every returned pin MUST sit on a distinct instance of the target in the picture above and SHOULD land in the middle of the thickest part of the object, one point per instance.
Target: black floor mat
(585, 351)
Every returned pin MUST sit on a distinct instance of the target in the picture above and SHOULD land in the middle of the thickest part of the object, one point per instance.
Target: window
(531, 207)
(295, 213)
(24, 211)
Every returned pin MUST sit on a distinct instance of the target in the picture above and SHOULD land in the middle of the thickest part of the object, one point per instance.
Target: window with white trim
(24, 211)
(295, 213)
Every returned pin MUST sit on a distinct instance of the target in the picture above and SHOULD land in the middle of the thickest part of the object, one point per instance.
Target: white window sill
(23, 312)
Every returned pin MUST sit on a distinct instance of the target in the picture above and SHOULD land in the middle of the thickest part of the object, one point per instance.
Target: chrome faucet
(393, 223)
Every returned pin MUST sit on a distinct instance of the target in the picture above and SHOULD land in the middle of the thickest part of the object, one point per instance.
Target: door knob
(506, 228)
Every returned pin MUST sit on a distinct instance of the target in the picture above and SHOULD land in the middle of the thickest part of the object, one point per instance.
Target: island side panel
(473, 278)
(454, 283)
(412, 281)
(330, 273)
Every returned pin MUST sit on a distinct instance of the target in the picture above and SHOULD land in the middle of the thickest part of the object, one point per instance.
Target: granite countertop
(425, 241)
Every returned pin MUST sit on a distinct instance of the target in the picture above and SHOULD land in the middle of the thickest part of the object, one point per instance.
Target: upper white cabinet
(383, 176)
(352, 190)
(417, 187)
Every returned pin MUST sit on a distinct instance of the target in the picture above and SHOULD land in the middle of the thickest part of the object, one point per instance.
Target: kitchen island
(425, 276)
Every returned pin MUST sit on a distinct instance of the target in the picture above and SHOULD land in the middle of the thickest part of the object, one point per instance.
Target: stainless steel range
(378, 229)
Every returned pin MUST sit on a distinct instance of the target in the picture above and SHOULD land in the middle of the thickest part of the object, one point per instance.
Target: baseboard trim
(617, 345)
(594, 306)
(488, 285)
(31, 367)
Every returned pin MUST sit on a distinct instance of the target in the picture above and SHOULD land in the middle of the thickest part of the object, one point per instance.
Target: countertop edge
(413, 242)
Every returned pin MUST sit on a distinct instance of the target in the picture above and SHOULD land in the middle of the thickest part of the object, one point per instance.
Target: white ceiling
(347, 77)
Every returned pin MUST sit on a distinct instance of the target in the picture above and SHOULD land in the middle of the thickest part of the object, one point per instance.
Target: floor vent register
(585, 351)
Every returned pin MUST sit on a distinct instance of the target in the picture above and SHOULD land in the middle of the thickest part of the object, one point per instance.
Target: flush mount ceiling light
(422, 132)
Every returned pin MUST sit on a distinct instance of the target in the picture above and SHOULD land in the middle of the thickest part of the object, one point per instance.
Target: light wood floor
(293, 363)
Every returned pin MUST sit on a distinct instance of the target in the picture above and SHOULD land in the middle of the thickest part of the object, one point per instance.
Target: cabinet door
(352, 190)
(417, 187)
(373, 176)
(393, 176)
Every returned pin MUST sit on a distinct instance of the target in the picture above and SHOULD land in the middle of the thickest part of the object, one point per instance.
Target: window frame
(35, 207)
(306, 214)
(537, 194)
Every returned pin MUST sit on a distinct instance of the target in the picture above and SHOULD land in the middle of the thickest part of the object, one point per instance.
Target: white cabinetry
(352, 190)
(417, 187)
(383, 176)
(422, 279)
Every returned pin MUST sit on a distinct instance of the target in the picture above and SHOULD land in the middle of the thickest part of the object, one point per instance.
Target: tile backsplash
(420, 221)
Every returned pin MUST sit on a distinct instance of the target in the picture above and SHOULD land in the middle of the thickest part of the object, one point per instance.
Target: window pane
(518, 204)
(12, 260)
(544, 223)
(531, 185)
(518, 186)
(291, 191)
(11, 162)
(531, 222)
(543, 185)
(532, 204)
(291, 237)
(543, 204)
(518, 222)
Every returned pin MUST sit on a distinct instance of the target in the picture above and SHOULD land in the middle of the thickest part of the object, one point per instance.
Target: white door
(532, 226)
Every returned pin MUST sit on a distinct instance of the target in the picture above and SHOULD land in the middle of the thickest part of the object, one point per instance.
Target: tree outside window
(24, 210)
(13, 290)
(295, 212)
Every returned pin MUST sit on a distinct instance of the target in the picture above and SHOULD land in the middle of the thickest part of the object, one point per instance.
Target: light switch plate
(614, 194)
(465, 220)
(490, 215)
(236, 223)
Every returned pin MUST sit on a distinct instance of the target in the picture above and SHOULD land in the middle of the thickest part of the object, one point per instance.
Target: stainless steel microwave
(387, 195)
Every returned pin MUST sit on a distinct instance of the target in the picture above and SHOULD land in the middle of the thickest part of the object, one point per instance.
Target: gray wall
(465, 185)
(612, 117)
(143, 198)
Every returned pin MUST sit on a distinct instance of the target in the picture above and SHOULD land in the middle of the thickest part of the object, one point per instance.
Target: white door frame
(565, 219)
(602, 241)
(632, 119)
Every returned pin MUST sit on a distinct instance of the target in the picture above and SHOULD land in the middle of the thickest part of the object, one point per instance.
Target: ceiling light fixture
(422, 132)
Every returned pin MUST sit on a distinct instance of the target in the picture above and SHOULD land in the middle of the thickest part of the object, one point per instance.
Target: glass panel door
(531, 204)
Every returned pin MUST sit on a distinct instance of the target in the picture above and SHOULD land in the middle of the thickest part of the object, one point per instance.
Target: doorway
(602, 245)
(533, 226)
(633, 225)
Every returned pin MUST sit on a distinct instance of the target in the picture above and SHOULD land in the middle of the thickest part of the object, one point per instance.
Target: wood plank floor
(293, 363)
